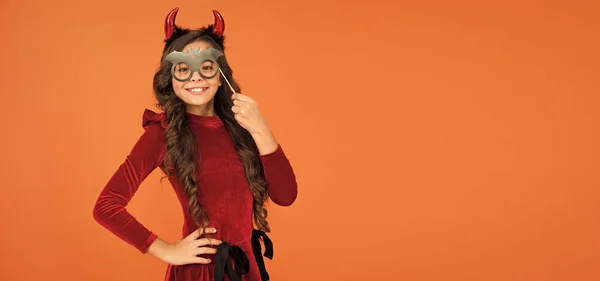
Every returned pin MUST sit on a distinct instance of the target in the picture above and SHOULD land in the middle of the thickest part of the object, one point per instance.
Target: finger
(200, 260)
(198, 232)
(238, 110)
(207, 241)
(241, 97)
(239, 102)
(238, 117)
(194, 235)
(206, 250)
(211, 230)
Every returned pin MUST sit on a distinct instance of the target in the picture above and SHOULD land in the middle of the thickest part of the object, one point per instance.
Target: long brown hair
(180, 142)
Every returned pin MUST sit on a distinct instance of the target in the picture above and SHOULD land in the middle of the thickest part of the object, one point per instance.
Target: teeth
(198, 90)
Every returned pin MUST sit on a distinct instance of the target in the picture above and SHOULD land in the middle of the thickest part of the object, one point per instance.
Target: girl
(219, 155)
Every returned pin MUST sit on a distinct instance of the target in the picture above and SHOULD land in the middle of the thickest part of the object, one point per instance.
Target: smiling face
(198, 93)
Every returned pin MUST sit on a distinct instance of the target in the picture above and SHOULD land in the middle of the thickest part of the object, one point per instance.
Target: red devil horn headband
(218, 27)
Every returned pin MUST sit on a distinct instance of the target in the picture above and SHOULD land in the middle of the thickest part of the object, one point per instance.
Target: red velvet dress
(223, 192)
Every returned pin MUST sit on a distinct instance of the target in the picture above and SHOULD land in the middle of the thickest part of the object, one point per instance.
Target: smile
(197, 90)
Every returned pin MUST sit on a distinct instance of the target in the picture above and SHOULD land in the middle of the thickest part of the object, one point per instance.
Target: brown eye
(182, 71)
(208, 68)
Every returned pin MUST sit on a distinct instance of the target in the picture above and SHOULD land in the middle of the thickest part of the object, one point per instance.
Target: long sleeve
(110, 208)
(279, 174)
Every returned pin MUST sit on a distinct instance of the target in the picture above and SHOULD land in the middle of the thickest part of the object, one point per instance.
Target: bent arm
(279, 174)
(110, 208)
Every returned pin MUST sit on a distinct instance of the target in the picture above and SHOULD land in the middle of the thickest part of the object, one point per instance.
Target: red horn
(219, 27)
(170, 23)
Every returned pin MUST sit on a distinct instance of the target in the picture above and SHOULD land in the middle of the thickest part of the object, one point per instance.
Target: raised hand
(247, 114)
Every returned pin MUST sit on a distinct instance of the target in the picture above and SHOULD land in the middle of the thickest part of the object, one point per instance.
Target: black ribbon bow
(242, 264)
(256, 235)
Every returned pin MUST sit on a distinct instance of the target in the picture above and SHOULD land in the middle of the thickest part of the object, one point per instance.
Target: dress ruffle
(150, 117)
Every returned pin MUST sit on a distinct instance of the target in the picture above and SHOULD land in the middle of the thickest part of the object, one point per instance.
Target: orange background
(431, 140)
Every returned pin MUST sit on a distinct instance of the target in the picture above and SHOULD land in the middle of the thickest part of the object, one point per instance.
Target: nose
(196, 77)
